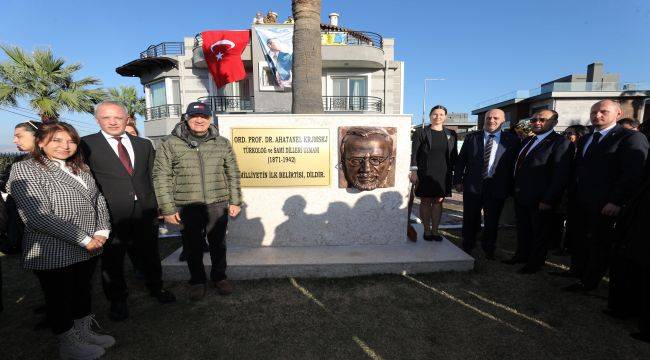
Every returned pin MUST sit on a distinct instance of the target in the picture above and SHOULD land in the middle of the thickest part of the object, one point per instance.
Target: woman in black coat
(433, 157)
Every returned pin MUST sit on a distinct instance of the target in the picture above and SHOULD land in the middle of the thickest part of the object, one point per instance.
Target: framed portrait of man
(367, 157)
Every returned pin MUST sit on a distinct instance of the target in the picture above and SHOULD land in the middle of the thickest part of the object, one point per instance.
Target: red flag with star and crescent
(222, 51)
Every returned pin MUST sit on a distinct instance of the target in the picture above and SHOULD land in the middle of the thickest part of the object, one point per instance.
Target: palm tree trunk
(307, 60)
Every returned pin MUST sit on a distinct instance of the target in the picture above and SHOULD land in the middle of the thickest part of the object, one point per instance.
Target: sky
(482, 49)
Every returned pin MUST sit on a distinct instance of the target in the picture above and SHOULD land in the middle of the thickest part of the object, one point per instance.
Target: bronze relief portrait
(367, 157)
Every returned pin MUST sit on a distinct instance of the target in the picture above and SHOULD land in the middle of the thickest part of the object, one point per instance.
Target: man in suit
(121, 165)
(609, 168)
(542, 172)
(484, 175)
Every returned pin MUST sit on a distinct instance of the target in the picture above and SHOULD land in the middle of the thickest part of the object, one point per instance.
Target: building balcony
(339, 49)
(162, 56)
(163, 49)
(168, 111)
(352, 104)
(228, 104)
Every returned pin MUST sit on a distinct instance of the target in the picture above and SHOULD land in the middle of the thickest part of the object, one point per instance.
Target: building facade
(359, 76)
(572, 97)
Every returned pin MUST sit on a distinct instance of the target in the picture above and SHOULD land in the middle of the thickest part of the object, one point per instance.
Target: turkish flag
(222, 51)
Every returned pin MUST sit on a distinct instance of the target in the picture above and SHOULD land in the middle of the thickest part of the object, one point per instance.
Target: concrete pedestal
(325, 230)
(333, 261)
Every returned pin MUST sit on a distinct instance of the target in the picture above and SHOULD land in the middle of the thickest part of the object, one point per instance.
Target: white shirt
(125, 141)
(539, 139)
(127, 144)
(603, 133)
(493, 154)
(67, 170)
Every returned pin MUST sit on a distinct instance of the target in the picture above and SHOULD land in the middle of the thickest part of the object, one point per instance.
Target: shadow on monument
(254, 229)
(341, 224)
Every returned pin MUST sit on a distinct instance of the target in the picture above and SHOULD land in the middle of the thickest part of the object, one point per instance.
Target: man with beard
(366, 157)
(542, 173)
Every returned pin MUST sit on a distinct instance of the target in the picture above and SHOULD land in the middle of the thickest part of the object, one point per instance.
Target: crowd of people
(83, 200)
(585, 192)
(76, 201)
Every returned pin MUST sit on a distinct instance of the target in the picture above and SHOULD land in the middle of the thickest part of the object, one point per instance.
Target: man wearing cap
(197, 186)
(122, 165)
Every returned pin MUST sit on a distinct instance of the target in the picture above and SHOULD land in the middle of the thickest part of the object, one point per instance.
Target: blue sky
(482, 48)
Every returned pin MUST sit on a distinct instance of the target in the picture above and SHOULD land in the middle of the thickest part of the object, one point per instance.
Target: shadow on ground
(489, 313)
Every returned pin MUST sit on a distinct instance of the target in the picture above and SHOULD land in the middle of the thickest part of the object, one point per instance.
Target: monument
(324, 194)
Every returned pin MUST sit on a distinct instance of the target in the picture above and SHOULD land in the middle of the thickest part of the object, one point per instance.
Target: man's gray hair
(110, 102)
(366, 132)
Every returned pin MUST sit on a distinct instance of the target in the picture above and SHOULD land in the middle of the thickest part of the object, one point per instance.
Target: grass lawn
(488, 313)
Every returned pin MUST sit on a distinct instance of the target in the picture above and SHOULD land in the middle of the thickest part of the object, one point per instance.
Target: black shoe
(428, 237)
(437, 238)
(513, 261)
(645, 337)
(564, 274)
(617, 314)
(163, 296)
(119, 311)
(182, 257)
(527, 270)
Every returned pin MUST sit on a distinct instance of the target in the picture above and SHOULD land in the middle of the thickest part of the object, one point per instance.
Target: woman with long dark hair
(433, 157)
(66, 226)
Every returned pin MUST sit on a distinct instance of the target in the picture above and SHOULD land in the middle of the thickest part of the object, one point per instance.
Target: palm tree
(47, 83)
(128, 96)
(307, 60)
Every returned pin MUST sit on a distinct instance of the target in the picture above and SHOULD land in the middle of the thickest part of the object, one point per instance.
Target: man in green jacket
(196, 179)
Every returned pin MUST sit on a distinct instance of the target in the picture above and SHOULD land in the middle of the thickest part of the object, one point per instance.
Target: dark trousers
(198, 222)
(593, 235)
(625, 284)
(1, 303)
(535, 231)
(138, 236)
(472, 206)
(67, 293)
(644, 320)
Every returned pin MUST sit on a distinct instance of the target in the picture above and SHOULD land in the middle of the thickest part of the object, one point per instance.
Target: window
(349, 93)
(266, 78)
(158, 95)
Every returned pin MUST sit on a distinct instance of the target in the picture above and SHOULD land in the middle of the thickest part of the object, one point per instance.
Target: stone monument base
(332, 261)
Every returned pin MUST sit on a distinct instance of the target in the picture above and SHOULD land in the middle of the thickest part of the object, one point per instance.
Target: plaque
(367, 157)
(274, 157)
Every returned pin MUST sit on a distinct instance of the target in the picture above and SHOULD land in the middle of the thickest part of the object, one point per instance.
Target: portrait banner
(367, 157)
(277, 44)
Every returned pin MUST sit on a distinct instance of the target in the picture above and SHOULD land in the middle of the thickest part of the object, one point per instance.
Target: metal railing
(163, 49)
(352, 103)
(227, 104)
(163, 112)
(350, 37)
(567, 87)
(347, 37)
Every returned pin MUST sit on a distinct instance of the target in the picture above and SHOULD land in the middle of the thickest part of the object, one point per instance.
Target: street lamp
(424, 96)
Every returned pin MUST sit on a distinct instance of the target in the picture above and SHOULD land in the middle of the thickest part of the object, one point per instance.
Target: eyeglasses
(373, 160)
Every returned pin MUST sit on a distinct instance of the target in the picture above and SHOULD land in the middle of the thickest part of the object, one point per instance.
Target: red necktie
(124, 155)
(524, 152)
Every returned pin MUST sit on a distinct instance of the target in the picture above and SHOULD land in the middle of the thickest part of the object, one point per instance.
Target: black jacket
(469, 166)
(612, 170)
(421, 145)
(544, 173)
(117, 186)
